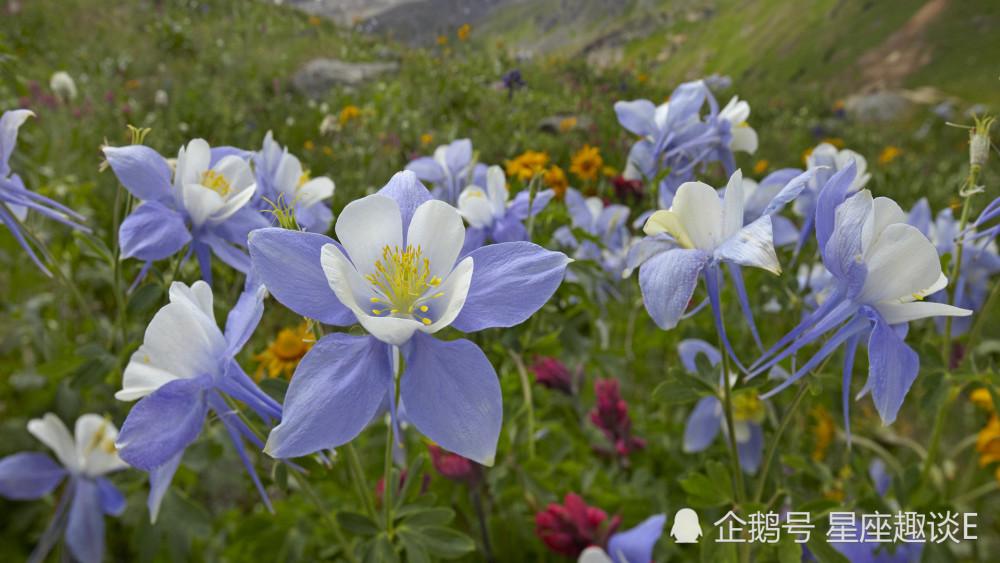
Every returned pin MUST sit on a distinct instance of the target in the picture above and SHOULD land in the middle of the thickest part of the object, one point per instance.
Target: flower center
(99, 441)
(401, 278)
(215, 182)
(748, 408)
(303, 179)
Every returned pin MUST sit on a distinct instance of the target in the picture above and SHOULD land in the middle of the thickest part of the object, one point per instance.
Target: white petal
(496, 188)
(699, 211)
(366, 226)
(437, 229)
(350, 286)
(594, 554)
(181, 341)
(901, 262)
(595, 206)
(51, 431)
(895, 312)
(732, 213)
(192, 161)
(95, 445)
(475, 207)
(453, 291)
(391, 330)
(288, 172)
(200, 202)
(232, 204)
(744, 139)
(314, 191)
(660, 117)
(887, 212)
(199, 295)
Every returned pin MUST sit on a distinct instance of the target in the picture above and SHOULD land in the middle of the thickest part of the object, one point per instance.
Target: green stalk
(777, 437)
(330, 520)
(526, 389)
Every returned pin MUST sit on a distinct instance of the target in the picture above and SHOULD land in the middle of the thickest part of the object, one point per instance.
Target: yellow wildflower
(761, 166)
(463, 32)
(839, 105)
(442, 40)
(609, 172)
(427, 138)
(567, 123)
(309, 145)
(823, 431)
(283, 354)
(313, 20)
(527, 165)
(555, 178)
(988, 442)
(642, 78)
(349, 113)
(839, 143)
(981, 398)
(327, 150)
(889, 154)
(586, 163)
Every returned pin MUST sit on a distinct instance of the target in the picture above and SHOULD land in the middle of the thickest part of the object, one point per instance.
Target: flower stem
(529, 406)
(532, 188)
(330, 520)
(389, 487)
(84, 305)
(983, 314)
(477, 502)
(777, 437)
(358, 477)
(936, 438)
(955, 267)
(734, 453)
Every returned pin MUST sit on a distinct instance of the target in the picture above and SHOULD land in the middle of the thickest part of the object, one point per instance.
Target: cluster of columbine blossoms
(404, 266)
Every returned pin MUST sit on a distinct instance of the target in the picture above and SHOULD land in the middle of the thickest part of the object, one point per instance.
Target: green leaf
(789, 551)
(413, 473)
(275, 387)
(90, 245)
(415, 553)
(713, 551)
(823, 551)
(709, 491)
(143, 299)
(443, 542)
(357, 523)
(384, 551)
(438, 516)
(675, 392)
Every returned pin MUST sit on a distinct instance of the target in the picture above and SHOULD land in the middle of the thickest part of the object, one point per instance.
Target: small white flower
(211, 194)
(63, 86)
(91, 454)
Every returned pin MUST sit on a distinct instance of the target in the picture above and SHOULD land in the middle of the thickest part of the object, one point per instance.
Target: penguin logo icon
(686, 528)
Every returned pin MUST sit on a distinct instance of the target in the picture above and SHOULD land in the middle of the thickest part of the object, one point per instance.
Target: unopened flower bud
(979, 141)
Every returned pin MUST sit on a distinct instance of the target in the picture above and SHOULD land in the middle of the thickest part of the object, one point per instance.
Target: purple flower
(707, 418)
(449, 170)
(183, 370)
(489, 214)
(397, 270)
(16, 200)
(676, 140)
(881, 271)
(204, 208)
(633, 545)
(88, 496)
(695, 236)
(512, 81)
(280, 176)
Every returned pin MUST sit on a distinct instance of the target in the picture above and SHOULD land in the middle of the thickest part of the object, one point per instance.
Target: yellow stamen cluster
(303, 179)
(401, 279)
(215, 182)
(748, 407)
(99, 441)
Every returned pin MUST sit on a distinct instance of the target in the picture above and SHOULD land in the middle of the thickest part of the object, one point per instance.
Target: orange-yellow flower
(427, 138)
(349, 113)
(609, 171)
(463, 32)
(527, 165)
(283, 354)
(309, 145)
(642, 78)
(889, 154)
(761, 166)
(567, 123)
(586, 163)
(442, 40)
(555, 178)
(822, 431)
(313, 20)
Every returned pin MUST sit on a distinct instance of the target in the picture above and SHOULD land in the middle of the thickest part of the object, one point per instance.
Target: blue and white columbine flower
(827, 160)
(16, 200)
(490, 215)
(980, 262)
(674, 137)
(882, 269)
(397, 270)
(449, 170)
(181, 372)
(707, 417)
(698, 233)
(605, 222)
(631, 546)
(205, 204)
(280, 176)
(88, 496)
